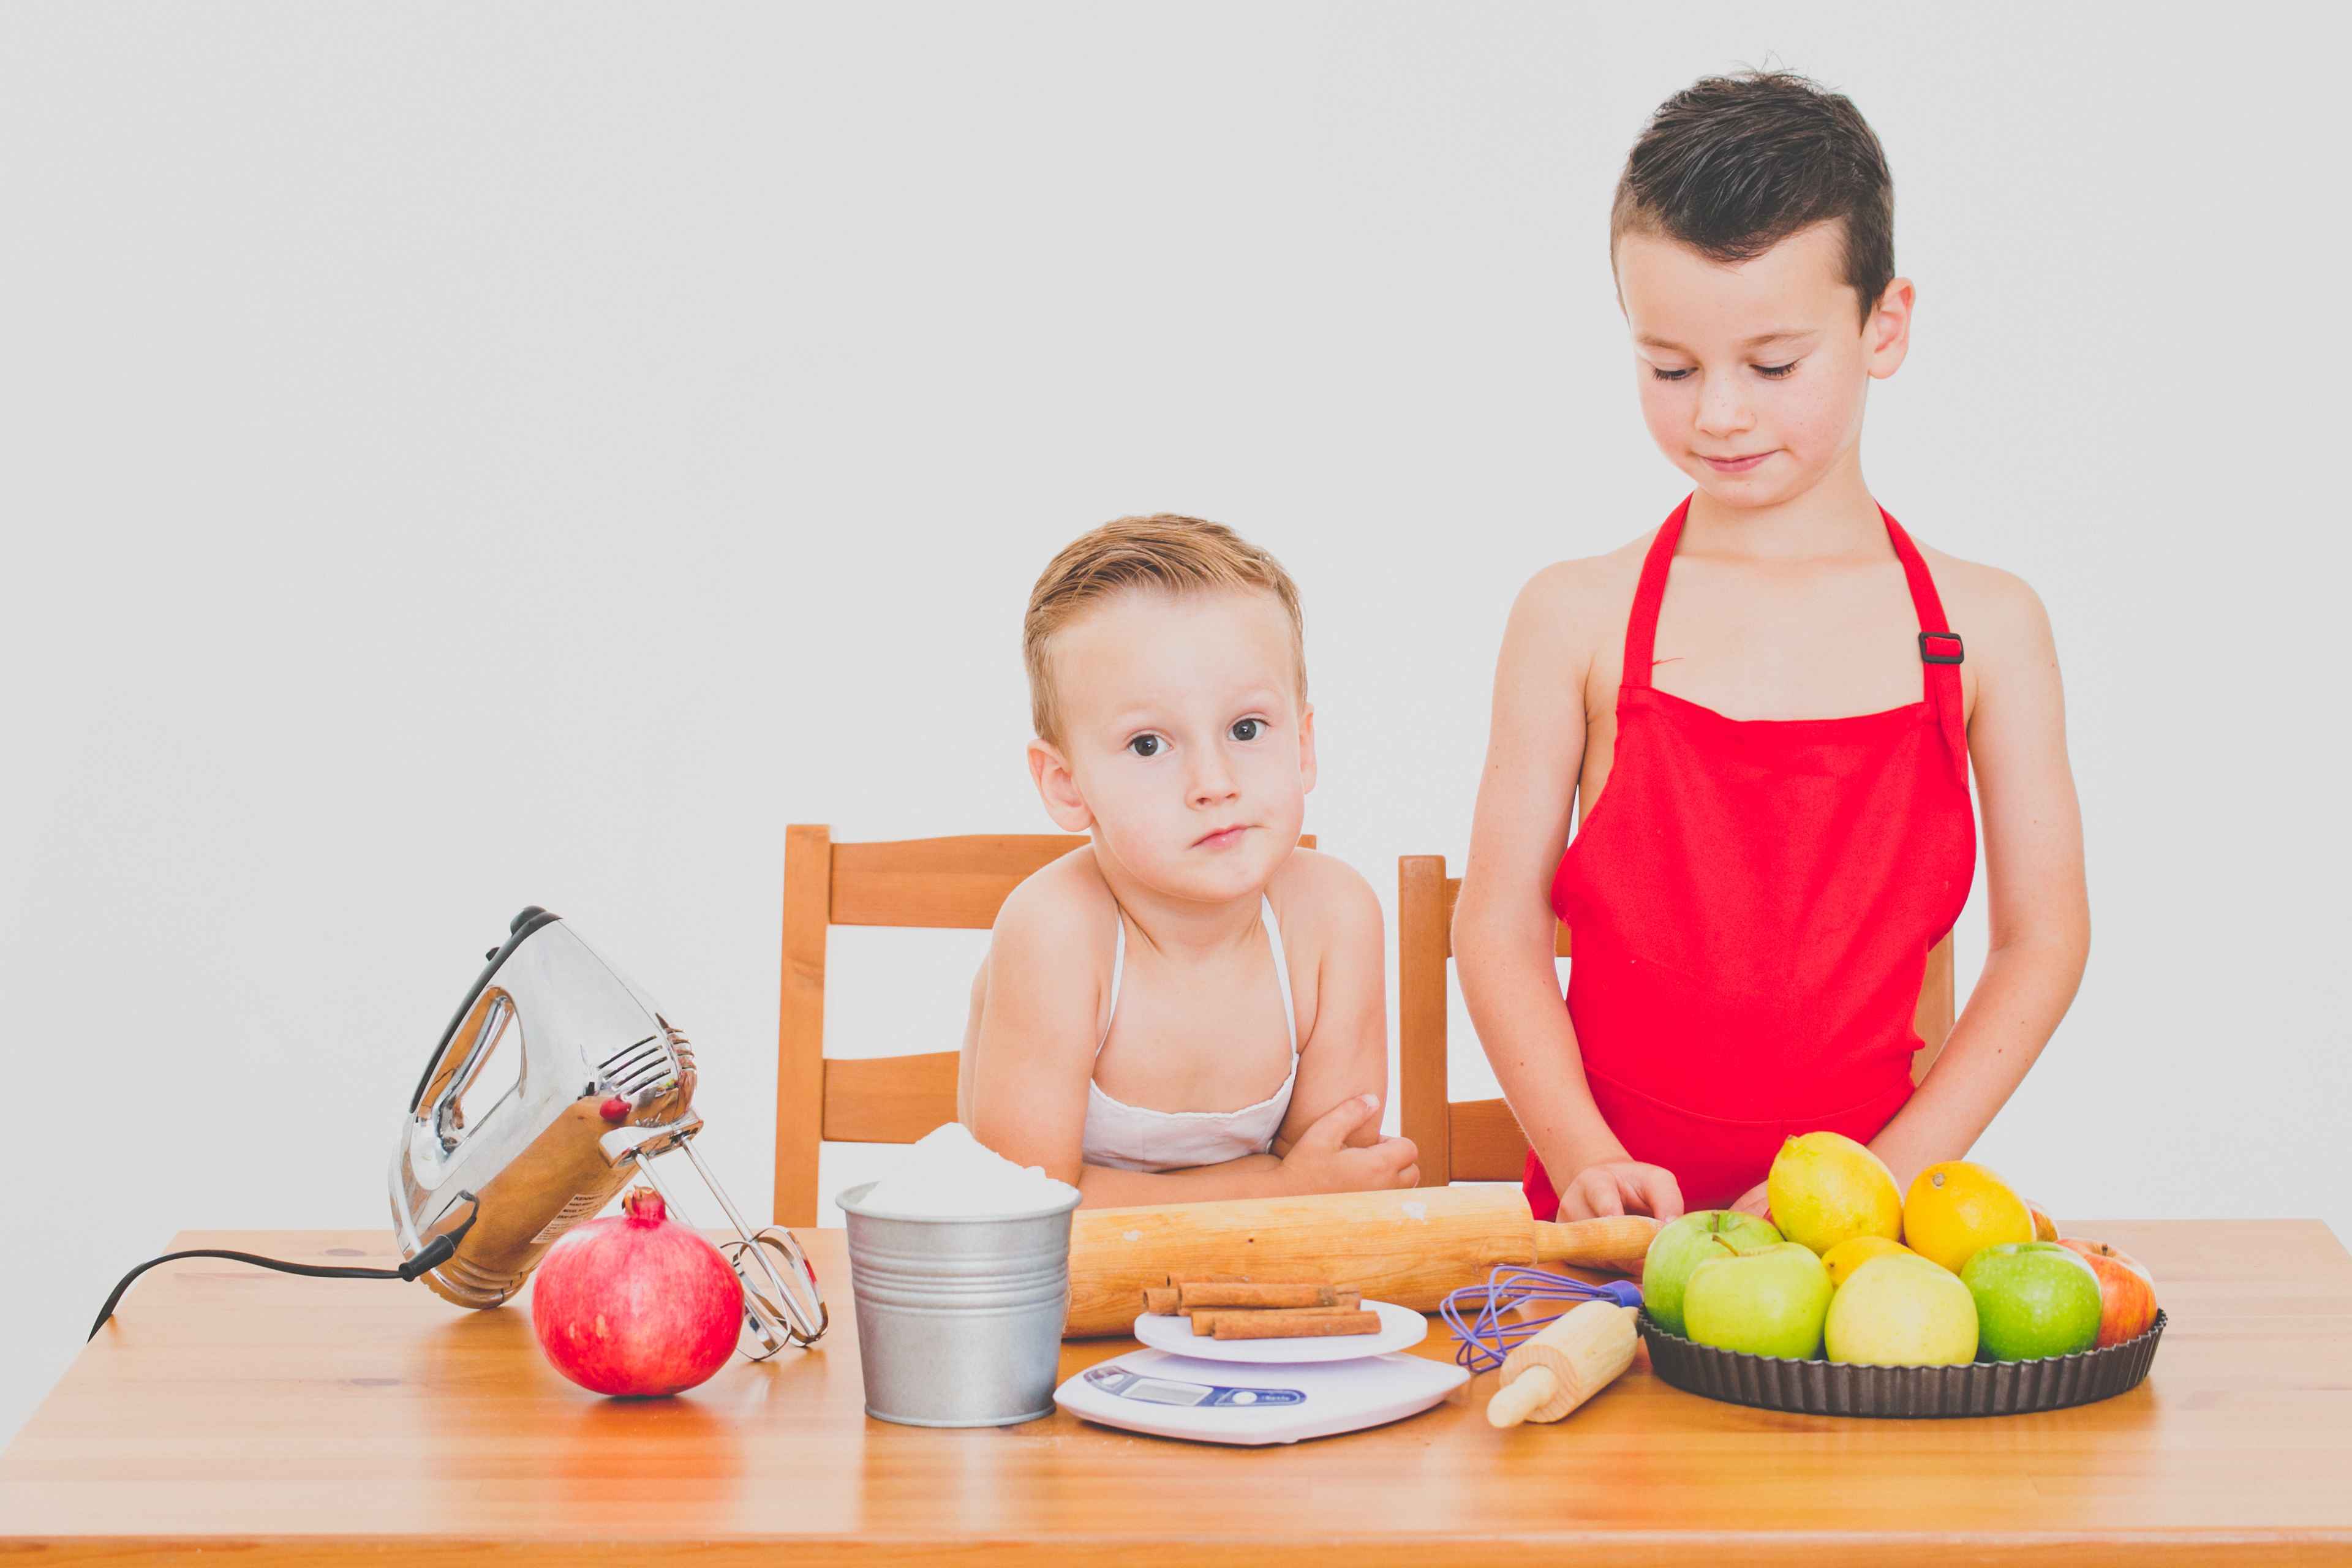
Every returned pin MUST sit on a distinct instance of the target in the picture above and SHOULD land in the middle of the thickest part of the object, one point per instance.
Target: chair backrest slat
(950, 884)
(889, 1099)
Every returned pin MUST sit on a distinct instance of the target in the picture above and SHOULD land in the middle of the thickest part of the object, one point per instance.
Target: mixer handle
(518, 930)
(464, 1052)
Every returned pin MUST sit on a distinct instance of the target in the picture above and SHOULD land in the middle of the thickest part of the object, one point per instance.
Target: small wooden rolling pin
(1572, 1360)
(1409, 1245)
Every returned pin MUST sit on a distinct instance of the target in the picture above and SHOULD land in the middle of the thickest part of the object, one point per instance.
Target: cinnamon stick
(1260, 1294)
(1204, 1318)
(1313, 1325)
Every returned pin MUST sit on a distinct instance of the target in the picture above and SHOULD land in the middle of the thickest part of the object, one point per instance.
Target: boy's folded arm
(1039, 1012)
(1503, 922)
(1330, 1138)
(2036, 901)
(1346, 1054)
(1036, 1049)
(1251, 1176)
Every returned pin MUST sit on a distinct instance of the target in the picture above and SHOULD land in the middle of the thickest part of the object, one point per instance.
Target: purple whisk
(1484, 1340)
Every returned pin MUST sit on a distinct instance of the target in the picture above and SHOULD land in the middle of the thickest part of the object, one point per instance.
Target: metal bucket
(959, 1320)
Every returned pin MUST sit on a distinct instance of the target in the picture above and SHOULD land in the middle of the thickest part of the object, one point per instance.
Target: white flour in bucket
(948, 1172)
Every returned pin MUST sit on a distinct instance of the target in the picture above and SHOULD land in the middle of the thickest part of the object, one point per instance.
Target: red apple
(2127, 1290)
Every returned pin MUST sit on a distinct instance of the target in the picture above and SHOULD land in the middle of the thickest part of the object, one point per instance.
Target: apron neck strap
(1940, 649)
(1641, 630)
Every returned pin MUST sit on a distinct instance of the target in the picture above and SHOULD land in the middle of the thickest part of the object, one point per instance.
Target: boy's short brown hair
(1732, 165)
(1165, 552)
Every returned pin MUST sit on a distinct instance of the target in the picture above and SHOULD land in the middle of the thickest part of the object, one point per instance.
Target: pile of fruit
(1959, 1269)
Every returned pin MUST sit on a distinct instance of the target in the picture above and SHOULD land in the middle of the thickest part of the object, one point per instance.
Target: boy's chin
(1774, 481)
(1199, 876)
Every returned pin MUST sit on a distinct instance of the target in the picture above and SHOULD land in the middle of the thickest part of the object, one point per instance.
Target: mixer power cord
(429, 1256)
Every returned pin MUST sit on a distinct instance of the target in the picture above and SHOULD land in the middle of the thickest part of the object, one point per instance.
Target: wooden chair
(1479, 1139)
(957, 884)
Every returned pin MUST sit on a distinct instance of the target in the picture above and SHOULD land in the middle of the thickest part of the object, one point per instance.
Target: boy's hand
(1622, 1186)
(1754, 1201)
(1322, 1161)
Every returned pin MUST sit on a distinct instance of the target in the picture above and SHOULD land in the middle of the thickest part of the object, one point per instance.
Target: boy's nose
(1213, 782)
(1723, 406)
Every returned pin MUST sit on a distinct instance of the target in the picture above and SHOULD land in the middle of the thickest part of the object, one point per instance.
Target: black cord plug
(442, 1248)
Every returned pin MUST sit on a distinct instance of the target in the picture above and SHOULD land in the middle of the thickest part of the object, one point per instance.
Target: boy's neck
(1186, 927)
(1836, 517)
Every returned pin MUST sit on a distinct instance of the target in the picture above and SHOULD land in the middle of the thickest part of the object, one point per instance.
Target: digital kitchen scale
(1171, 1395)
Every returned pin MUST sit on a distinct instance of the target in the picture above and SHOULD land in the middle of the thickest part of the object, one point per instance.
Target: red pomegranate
(632, 1304)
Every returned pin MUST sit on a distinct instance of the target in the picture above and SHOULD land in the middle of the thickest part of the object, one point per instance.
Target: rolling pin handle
(1616, 1244)
(1521, 1397)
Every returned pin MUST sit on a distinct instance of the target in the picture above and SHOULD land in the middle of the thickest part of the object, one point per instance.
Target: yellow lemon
(1957, 1208)
(1899, 1310)
(1825, 1188)
(1854, 1251)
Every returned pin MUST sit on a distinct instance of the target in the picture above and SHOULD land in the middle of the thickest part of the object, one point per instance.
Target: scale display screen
(1158, 1391)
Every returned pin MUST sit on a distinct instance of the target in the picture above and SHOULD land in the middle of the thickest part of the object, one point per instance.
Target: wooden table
(292, 1420)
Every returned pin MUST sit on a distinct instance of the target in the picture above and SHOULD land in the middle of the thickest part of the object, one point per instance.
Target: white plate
(1400, 1326)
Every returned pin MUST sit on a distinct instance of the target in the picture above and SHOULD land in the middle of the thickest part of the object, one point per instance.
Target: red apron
(1752, 907)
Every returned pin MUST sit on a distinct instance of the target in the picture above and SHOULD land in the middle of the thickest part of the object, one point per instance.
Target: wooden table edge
(1624, 1549)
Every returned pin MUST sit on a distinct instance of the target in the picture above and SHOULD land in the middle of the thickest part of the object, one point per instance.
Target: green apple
(1899, 1310)
(1684, 1245)
(2034, 1299)
(1769, 1302)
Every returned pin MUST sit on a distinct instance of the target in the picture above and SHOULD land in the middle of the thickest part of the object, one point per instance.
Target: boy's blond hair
(1165, 552)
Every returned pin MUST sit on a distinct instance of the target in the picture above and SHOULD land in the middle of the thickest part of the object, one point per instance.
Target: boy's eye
(1145, 745)
(1247, 729)
(1770, 372)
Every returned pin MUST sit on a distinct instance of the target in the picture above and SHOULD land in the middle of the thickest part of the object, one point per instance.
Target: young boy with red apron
(1752, 906)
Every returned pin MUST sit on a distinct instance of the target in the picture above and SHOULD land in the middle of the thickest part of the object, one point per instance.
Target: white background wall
(455, 457)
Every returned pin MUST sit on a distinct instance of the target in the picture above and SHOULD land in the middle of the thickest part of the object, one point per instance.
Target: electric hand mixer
(605, 1087)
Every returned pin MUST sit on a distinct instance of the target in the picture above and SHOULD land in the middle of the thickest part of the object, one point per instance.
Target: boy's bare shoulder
(1062, 903)
(1322, 890)
(1589, 580)
(1986, 604)
(1581, 601)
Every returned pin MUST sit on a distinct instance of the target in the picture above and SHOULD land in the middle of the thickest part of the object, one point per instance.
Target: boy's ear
(1887, 336)
(1051, 773)
(1306, 749)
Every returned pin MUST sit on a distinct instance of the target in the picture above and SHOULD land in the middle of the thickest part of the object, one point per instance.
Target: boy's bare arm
(1330, 1139)
(1034, 1056)
(2037, 906)
(1502, 922)
(1346, 1055)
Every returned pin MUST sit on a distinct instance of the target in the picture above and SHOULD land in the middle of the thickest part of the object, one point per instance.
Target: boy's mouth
(1222, 836)
(1735, 465)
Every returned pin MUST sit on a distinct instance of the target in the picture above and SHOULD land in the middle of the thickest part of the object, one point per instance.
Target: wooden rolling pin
(1409, 1245)
(1572, 1360)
